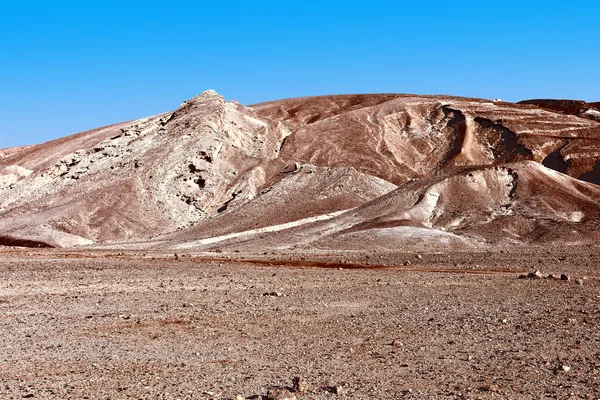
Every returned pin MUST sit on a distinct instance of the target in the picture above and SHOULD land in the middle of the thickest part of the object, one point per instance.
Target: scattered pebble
(280, 394)
(535, 275)
(273, 294)
(490, 388)
(299, 385)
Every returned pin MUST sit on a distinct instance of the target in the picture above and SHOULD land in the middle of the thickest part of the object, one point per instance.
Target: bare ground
(149, 326)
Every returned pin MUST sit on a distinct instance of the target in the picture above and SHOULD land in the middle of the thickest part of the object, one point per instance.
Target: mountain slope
(291, 172)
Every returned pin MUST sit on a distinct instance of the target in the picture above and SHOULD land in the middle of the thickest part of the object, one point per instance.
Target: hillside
(333, 172)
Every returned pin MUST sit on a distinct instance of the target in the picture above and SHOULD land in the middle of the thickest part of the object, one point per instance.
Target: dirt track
(444, 326)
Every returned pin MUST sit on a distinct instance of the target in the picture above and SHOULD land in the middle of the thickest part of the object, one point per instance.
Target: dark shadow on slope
(556, 161)
(592, 176)
(458, 124)
(504, 142)
(16, 242)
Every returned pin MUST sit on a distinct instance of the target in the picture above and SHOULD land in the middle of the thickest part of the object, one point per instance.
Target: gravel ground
(462, 326)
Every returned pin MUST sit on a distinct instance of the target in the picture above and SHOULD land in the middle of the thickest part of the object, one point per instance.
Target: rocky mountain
(327, 173)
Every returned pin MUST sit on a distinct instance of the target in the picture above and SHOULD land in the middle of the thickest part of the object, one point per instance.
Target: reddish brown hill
(214, 172)
(572, 107)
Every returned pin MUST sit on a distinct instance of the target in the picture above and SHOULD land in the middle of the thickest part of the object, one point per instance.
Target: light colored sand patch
(12, 174)
(576, 216)
(268, 229)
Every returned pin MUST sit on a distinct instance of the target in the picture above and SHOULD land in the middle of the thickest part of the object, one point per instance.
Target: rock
(239, 397)
(273, 294)
(535, 275)
(522, 276)
(553, 276)
(579, 282)
(280, 394)
(490, 388)
(299, 384)
(337, 389)
(565, 368)
(565, 277)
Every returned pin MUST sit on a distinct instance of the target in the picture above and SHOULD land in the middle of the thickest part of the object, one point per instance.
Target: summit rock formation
(324, 173)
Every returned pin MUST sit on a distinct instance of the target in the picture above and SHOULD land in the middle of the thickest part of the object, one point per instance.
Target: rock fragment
(272, 294)
(338, 389)
(534, 275)
(280, 394)
(490, 388)
(299, 385)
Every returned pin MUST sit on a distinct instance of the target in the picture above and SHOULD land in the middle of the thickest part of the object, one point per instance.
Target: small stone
(397, 342)
(579, 282)
(491, 388)
(504, 321)
(239, 397)
(273, 294)
(280, 394)
(565, 368)
(336, 389)
(535, 275)
(553, 276)
(299, 384)
(419, 256)
(522, 276)
(565, 277)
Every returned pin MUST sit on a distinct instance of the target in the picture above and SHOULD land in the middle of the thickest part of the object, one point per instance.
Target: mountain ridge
(213, 168)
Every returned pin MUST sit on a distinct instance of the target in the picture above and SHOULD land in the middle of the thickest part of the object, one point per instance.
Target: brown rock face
(325, 172)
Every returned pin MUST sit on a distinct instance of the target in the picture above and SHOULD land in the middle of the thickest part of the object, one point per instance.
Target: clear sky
(72, 65)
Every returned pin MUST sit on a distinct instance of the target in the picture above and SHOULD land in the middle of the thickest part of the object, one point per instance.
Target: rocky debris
(280, 394)
(299, 384)
(247, 342)
(554, 277)
(239, 397)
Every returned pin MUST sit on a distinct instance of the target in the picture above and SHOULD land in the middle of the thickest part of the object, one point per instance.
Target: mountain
(334, 172)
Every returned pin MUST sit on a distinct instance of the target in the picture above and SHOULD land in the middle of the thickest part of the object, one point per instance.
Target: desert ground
(395, 325)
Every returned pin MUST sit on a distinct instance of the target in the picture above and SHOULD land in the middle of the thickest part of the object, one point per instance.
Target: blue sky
(71, 65)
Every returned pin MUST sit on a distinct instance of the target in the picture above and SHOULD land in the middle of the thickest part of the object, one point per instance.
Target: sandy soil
(391, 326)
